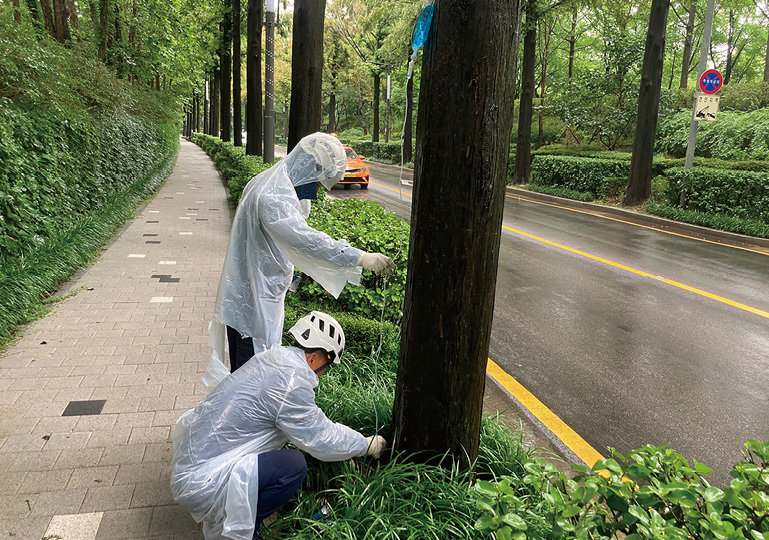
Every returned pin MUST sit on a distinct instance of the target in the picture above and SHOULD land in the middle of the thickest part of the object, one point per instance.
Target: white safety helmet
(320, 330)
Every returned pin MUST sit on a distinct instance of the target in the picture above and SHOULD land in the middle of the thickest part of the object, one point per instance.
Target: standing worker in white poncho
(270, 236)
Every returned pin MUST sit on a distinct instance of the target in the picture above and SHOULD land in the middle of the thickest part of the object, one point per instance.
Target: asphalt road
(630, 335)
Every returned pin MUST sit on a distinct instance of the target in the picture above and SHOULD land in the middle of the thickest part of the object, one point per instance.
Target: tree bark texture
(639, 184)
(332, 113)
(237, 121)
(375, 106)
(103, 34)
(225, 57)
(688, 41)
(17, 11)
(254, 145)
(215, 105)
(45, 7)
(523, 148)
(306, 70)
(61, 21)
(463, 137)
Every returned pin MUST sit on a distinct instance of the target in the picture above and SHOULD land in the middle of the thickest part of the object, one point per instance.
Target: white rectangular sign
(707, 108)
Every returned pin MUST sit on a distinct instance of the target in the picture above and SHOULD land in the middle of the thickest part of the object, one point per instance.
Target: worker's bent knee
(296, 463)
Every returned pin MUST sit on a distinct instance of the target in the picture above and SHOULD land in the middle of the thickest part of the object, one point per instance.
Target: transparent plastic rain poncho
(269, 401)
(270, 237)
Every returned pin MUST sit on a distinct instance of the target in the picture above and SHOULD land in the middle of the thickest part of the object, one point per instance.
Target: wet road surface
(630, 335)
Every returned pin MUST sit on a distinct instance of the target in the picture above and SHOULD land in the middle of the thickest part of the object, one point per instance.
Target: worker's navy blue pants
(241, 348)
(280, 474)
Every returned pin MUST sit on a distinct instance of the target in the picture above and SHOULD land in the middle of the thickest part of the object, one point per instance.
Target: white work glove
(376, 445)
(376, 262)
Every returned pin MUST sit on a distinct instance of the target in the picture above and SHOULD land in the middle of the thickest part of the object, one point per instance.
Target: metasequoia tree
(463, 132)
(254, 78)
(306, 70)
(639, 183)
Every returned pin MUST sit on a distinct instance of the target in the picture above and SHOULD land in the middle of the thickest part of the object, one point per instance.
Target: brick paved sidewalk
(133, 339)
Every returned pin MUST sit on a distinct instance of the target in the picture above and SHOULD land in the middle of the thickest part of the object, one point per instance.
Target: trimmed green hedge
(749, 227)
(238, 168)
(739, 194)
(385, 152)
(578, 174)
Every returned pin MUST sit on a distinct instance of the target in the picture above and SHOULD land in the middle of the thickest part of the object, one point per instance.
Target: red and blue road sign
(711, 81)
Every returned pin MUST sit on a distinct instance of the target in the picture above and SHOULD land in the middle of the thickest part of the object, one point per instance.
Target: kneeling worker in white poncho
(230, 470)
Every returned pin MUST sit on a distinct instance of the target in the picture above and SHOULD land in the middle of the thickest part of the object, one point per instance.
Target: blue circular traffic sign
(711, 81)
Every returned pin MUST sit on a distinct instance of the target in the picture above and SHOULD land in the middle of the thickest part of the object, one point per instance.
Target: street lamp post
(269, 83)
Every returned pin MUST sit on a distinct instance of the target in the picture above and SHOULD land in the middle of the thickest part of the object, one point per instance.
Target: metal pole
(269, 83)
(700, 70)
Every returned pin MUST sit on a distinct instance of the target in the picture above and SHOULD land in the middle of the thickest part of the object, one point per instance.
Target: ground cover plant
(79, 149)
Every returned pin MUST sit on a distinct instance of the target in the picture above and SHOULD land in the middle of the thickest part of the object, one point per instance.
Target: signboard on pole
(711, 81)
(706, 108)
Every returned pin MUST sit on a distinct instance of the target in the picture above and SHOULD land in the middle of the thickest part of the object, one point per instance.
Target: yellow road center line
(683, 286)
(717, 298)
(558, 427)
(594, 214)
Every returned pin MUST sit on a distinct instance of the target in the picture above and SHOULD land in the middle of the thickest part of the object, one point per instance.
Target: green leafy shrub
(739, 194)
(612, 186)
(736, 135)
(574, 173)
(562, 192)
(652, 493)
(749, 227)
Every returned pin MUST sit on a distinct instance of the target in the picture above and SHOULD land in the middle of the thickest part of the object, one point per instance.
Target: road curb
(649, 220)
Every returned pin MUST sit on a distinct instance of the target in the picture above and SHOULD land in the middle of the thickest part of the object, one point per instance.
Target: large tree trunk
(103, 33)
(61, 21)
(225, 57)
(377, 92)
(407, 126)
(215, 105)
(688, 40)
(455, 228)
(639, 184)
(523, 146)
(45, 7)
(306, 70)
(254, 78)
(237, 122)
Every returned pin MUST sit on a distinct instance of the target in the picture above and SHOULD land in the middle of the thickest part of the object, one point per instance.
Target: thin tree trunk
(687, 58)
(215, 105)
(456, 220)
(17, 11)
(407, 126)
(73, 17)
(254, 144)
(45, 7)
(306, 70)
(362, 110)
(523, 147)
(672, 69)
(225, 115)
(332, 113)
(206, 119)
(377, 95)
(572, 42)
(639, 183)
(237, 121)
(729, 48)
(766, 59)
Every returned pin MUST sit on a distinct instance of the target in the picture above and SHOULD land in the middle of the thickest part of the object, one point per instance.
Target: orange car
(357, 172)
